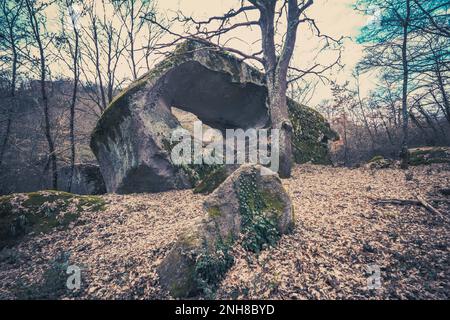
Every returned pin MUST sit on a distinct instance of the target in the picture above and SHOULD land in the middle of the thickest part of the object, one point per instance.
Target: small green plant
(211, 267)
(258, 212)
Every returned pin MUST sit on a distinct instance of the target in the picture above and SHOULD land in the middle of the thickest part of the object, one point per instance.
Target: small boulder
(250, 206)
(379, 162)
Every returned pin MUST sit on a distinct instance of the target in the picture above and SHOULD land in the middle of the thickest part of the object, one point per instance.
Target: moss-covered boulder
(131, 138)
(379, 162)
(429, 155)
(311, 134)
(250, 207)
(41, 212)
(87, 179)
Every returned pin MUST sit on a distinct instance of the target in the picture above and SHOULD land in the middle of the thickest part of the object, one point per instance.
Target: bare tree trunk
(276, 69)
(6, 137)
(97, 63)
(12, 104)
(73, 102)
(388, 133)
(443, 131)
(428, 120)
(279, 117)
(418, 124)
(48, 134)
(445, 99)
(404, 153)
(47, 128)
(131, 36)
(363, 113)
(386, 128)
(345, 139)
(12, 95)
(439, 104)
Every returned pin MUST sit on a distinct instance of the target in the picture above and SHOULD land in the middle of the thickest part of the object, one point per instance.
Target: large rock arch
(130, 139)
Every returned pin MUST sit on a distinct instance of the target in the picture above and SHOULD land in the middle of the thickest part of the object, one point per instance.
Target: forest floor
(339, 233)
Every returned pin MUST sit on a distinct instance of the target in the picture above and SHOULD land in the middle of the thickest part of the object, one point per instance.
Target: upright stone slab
(248, 207)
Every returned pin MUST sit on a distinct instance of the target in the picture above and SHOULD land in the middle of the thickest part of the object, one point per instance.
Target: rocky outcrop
(41, 212)
(132, 139)
(87, 179)
(250, 208)
(429, 155)
(417, 157)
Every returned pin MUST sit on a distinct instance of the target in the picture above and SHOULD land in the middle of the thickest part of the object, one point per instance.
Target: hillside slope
(339, 232)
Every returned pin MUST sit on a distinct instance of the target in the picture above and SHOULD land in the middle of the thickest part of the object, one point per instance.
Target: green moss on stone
(212, 181)
(203, 177)
(197, 172)
(41, 212)
(426, 156)
(214, 212)
(211, 266)
(108, 125)
(204, 264)
(311, 133)
(376, 159)
(187, 287)
(260, 211)
(273, 202)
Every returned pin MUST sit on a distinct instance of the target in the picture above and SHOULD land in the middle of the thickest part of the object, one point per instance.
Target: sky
(335, 18)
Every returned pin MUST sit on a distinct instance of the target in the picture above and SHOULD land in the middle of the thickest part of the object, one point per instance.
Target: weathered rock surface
(87, 179)
(312, 133)
(132, 139)
(248, 207)
(429, 155)
(212, 180)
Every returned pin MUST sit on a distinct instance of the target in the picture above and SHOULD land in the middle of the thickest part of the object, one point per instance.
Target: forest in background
(62, 62)
(94, 205)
